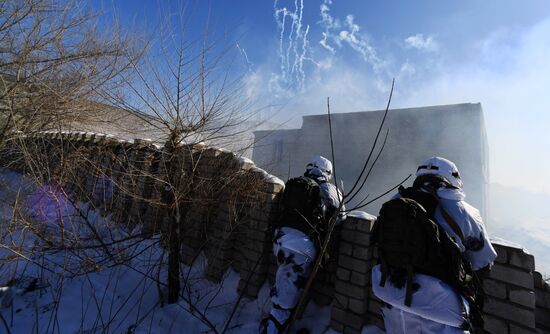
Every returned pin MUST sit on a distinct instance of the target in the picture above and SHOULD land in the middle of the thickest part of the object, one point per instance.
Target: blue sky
(496, 52)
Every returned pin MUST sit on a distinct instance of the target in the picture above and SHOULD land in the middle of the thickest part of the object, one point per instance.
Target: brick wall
(542, 303)
(518, 300)
(353, 305)
(510, 303)
(227, 207)
(233, 206)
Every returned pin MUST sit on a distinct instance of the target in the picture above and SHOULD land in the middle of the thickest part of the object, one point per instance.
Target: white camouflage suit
(436, 307)
(296, 252)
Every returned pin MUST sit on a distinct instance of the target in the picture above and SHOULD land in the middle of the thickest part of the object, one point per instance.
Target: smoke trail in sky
(281, 25)
(298, 23)
(348, 33)
(294, 47)
(294, 17)
(245, 56)
(328, 23)
(305, 47)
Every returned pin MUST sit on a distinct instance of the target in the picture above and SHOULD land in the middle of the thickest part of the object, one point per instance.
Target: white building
(456, 132)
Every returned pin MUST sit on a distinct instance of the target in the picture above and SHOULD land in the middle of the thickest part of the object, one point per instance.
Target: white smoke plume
(244, 55)
(346, 33)
(422, 43)
(294, 47)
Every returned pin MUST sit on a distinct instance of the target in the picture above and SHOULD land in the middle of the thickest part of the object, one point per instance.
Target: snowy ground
(114, 287)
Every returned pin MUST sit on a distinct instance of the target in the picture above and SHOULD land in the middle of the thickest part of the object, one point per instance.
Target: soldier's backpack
(302, 205)
(409, 241)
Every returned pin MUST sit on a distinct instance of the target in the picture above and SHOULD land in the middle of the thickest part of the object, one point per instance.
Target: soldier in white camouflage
(296, 239)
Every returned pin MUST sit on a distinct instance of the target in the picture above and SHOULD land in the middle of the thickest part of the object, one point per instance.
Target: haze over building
(456, 132)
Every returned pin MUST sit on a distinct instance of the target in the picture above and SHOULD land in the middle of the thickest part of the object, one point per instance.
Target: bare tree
(187, 85)
(57, 69)
(54, 59)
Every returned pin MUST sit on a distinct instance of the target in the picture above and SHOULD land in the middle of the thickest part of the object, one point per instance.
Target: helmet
(442, 167)
(319, 168)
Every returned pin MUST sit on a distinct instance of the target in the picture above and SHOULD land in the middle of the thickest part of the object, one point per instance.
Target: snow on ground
(115, 287)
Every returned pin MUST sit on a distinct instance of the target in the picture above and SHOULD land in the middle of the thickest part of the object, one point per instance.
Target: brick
(510, 312)
(359, 279)
(273, 187)
(494, 288)
(512, 276)
(543, 316)
(350, 290)
(364, 225)
(349, 319)
(268, 200)
(337, 326)
(343, 274)
(351, 223)
(345, 248)
(514, 329)
(358, 306)
(353, 264)
(522, 297)
(338, 314)
(502, 254)
(494, 325)
(518, 258)
(362, 253)
(341, 301)
(355, 237)
(542, 299)
(539, 282)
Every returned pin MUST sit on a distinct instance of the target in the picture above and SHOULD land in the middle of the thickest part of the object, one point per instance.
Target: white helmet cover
(442, 167)
(320, 167)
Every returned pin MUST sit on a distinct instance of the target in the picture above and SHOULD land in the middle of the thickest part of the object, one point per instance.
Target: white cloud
(422, 43)
(336, 35)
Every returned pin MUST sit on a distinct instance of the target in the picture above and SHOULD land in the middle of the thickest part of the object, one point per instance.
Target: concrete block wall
(233, 208)
(323, 288)
(510, 303)
(355, 259)
(253, 250)
(230, 209)
(542, 303)
(518, 300)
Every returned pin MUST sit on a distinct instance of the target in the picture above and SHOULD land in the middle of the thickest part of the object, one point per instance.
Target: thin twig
(351, 192)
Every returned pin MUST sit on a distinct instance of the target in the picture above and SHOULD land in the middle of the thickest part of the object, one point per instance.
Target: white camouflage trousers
(295, 254)
(398, 321)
